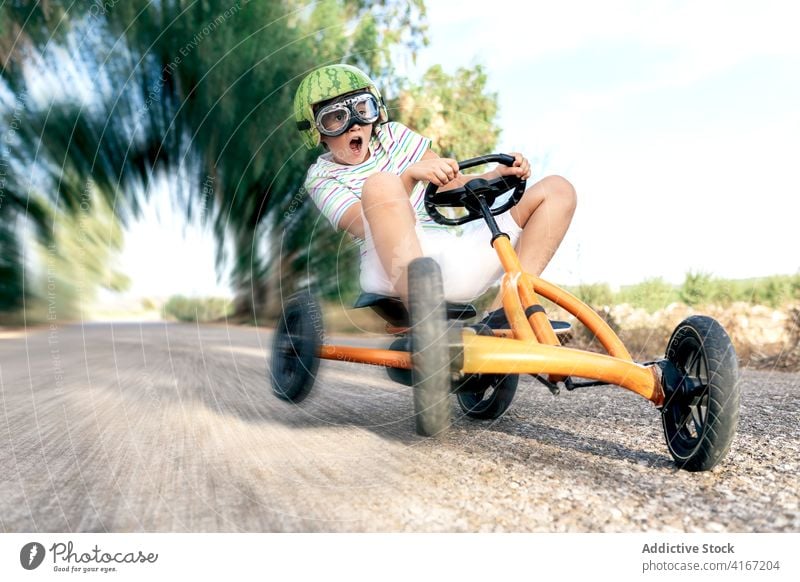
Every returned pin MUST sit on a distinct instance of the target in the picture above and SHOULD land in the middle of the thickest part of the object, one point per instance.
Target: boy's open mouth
(356, 144)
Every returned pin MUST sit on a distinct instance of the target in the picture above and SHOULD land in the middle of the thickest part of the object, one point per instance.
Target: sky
(165, 256)
(677, 122)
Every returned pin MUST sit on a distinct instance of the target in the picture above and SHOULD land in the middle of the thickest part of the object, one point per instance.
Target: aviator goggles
(336, 118)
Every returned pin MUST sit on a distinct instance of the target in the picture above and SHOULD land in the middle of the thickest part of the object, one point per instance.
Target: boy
(371, 180)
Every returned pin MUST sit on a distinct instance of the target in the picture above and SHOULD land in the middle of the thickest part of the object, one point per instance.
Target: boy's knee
(561, 190)
(383, 187)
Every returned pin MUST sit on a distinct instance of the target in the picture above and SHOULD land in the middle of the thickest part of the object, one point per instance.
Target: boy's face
(350, 148)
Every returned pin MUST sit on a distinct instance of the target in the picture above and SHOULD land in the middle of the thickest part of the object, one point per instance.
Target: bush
(775, 291)
(197, 309)
(696, 289)
(652, 295)
(595, 295)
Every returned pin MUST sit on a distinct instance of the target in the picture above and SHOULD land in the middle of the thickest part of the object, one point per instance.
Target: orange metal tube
(584, 313)
(376, 357)
(538, 320)
(513, 308)
(507, 254)
(491, 355)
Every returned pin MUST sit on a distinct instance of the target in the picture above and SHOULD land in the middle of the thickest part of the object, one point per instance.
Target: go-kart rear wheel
(297, 340)
(430, 352)
(486, 396)
(701, 415)
(493, 400)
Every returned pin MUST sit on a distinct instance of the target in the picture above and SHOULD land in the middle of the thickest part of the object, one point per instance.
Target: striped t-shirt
(336, 187)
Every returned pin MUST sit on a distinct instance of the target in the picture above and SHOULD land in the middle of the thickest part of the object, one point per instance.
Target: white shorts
(468, 261)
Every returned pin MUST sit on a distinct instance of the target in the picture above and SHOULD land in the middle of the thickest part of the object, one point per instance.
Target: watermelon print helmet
(324, 84)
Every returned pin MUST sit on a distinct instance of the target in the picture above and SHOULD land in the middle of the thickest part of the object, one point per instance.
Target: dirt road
(157, 427)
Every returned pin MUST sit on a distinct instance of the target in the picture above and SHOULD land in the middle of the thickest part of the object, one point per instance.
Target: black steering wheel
(470, 195)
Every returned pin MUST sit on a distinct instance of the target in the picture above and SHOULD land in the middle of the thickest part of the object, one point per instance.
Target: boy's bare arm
(352, 222)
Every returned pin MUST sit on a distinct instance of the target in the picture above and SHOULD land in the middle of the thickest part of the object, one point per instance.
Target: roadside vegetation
(697, 289)
(200, 309)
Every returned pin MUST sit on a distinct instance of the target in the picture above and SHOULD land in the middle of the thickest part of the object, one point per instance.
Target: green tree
(196, 95)
(197, 309)
(79, 257)
(11, 285)
(455, 111)
(16, 208)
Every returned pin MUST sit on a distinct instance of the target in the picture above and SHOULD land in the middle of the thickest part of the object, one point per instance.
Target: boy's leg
(544, 214)
(391, 220)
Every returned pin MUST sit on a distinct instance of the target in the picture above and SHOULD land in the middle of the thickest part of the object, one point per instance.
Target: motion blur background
(149, 165)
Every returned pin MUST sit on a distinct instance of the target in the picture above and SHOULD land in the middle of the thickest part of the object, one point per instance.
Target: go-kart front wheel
(701, 413)
(298, 337)
(430, 352)
(491, 399)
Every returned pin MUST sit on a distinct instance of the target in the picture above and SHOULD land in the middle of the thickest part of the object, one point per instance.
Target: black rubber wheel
(298, 337)
(486, 396)
(492, 399)
(430, 355)
(700, 419)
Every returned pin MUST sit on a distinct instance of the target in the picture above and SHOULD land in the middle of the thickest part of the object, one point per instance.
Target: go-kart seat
(395, 313)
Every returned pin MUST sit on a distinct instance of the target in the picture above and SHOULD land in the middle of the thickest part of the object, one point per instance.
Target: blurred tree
(11, 285)
(79, 258)
(14, 206)
(197, 309)
(195, 95)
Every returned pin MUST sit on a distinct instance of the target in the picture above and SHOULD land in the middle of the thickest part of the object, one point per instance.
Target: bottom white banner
(117, 557)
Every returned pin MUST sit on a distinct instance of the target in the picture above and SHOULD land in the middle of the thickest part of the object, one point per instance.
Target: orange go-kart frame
(531, 346)
(695, 386)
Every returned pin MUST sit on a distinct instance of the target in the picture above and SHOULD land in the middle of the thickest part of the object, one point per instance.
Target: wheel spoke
(697, 419)
(683, 424)
(695, 383)
(702, 369)
(697, 365)
(689, 367)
